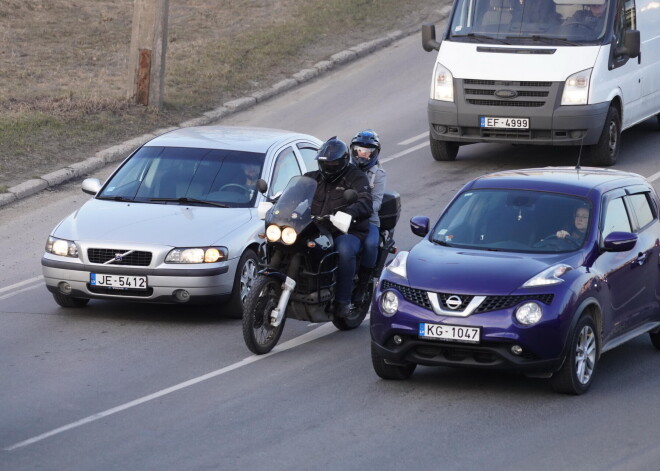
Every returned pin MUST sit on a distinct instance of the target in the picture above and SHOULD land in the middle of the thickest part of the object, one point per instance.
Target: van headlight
(62, 247)
(576, 88)
(197, 255)
(442, 85)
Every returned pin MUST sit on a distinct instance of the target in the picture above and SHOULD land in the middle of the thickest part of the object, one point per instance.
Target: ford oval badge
(506, 93)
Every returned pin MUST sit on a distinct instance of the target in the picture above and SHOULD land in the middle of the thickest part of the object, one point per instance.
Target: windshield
(514, 221)
(169, 174)
(294, 207)
(530, 21)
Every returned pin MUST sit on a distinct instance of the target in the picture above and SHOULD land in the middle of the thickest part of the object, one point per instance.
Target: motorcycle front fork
(288, 286)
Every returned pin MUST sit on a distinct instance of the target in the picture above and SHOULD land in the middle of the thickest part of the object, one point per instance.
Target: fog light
(440, 129)
(182, 295)
(576, 134)
(64, 287)
(397, 340)
(516, 350)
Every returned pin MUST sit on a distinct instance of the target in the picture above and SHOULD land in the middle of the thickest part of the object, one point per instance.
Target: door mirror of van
(631, 44)
(428, 38)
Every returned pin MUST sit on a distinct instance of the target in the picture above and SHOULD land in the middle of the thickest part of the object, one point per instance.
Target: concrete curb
(121, 151)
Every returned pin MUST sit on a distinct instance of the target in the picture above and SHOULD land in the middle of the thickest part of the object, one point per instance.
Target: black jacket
(329, 198)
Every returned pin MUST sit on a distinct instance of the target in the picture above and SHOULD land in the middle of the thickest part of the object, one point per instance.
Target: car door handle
(641, 259)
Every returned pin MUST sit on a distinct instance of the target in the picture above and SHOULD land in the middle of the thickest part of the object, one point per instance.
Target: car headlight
(63, 247)
(576, 88)
(529, 313)
(398, 264)
(289, 235)
(389, 303)
(442, 85)
(273, 233)
(197, 255)
(549, 276)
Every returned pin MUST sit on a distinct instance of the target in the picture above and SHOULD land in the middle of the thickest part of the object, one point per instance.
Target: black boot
(364, 275)
(342, 310)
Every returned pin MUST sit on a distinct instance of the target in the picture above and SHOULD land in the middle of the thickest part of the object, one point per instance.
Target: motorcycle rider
(365, 148)
(335, 175)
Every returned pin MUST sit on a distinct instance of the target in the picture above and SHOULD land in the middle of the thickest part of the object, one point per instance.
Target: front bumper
(204, 285)
(541, 344)
(549, 122)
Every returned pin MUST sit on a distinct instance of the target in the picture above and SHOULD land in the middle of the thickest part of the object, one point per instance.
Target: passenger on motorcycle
(365, 148)
(335, 175)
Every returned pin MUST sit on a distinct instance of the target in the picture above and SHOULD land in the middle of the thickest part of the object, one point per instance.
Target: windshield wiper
(185, 200)
(545, 39)
(115, 198)
(480, 37)
(441, 242)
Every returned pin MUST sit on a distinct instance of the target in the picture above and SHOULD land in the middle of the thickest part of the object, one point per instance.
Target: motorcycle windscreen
(294, 207)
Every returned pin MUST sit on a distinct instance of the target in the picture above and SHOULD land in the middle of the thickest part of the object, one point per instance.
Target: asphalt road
(129, 386)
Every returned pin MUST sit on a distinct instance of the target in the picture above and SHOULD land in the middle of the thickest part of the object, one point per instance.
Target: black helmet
(366, 140)
(333, 159)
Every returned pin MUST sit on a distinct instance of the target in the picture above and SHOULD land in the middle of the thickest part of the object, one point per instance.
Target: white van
(544, 72)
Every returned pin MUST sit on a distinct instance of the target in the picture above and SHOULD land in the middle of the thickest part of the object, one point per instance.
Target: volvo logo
(506, 93)
(453, 302)
(119, 257)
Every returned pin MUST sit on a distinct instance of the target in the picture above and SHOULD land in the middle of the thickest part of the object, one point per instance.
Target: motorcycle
(298, 265)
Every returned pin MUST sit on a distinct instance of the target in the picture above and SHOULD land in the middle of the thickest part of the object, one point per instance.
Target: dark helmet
(333, 159)
(366, 139)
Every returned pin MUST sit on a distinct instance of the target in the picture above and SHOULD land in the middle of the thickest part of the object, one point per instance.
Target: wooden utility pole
(146, 60)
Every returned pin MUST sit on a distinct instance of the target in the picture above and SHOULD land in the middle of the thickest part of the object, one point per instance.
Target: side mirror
(350, 196)
(262, 186)
(91, 186)
(631, 44)
(428, 37)
(419, 225)
(619, 241)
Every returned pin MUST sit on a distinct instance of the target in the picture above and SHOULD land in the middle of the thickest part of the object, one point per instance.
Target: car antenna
(577, 165)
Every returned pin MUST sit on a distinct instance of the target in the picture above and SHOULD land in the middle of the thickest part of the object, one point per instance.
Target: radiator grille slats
(136, 258)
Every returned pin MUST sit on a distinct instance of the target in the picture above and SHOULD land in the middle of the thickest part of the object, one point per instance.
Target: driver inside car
(580, 223)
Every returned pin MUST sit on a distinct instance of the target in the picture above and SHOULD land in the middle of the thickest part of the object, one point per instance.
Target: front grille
(136, 258)
(413, 295)
(495, 303)
(482, 93)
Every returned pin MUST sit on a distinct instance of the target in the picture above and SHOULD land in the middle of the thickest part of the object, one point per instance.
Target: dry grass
(63, 65)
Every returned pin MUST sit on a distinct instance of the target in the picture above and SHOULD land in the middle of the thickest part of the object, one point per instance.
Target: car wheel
(606, 151)
(443, 150)
(577, 372)
(246, 272)
(69, 301)
(655, 339)
(388, 371)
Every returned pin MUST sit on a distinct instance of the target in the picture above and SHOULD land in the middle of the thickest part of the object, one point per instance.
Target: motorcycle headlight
(289, 235)
(65, 248)
(197, 255)
(273, 233)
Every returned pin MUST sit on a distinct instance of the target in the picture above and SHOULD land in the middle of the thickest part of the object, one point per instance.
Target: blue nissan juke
(538, 271)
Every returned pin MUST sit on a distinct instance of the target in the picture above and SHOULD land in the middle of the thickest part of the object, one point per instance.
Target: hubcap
(248, 274)
(585, 354)
(613, 138)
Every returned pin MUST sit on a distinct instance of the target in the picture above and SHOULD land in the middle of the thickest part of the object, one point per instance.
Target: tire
(655, 339)
(259, 336)
(69, 301)
(443, 151)
(358, 311)
(606, 151)
(387, 371)
(246, 272)
(577, 372)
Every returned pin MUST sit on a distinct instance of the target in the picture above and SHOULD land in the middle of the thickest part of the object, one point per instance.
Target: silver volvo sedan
(177, 221)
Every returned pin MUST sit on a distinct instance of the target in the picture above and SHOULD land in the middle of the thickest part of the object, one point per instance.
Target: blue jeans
(370, 248)
(348, 247)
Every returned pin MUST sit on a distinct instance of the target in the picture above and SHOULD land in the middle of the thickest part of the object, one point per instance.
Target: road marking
(654, 177)
(21, 283)
(16, 288)
(321, 331)
(404, 152)
(413, 139)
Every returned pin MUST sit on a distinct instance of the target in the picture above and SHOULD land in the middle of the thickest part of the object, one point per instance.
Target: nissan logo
(506, 93)
(453, 302)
